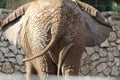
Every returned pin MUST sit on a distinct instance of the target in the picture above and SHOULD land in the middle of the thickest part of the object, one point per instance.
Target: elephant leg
(28, 70)
(45, 67)
(71, 64)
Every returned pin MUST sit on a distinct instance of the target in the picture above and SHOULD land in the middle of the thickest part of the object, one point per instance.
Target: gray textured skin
(97, 29)
(49, 32)
(53, 24)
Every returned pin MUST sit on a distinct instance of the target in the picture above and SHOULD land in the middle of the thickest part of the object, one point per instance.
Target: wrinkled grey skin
(96, 32)
(64, 27)
(53, 27)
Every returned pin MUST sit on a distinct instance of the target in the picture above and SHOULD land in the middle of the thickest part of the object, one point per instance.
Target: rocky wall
(103, 60)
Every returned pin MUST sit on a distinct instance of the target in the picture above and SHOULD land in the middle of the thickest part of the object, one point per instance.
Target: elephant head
(96, 30)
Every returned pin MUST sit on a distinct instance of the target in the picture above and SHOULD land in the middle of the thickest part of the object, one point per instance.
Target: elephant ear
(13, 17)
(12, 32)
(11, 26)
(96, 33)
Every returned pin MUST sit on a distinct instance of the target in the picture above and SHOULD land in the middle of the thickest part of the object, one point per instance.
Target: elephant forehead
(39, 14)
(66, 16)
(38, 10)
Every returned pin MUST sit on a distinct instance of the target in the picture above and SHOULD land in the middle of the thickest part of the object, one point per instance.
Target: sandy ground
(19, 76)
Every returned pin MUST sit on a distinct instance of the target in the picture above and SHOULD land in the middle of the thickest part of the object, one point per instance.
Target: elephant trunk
(51, 44)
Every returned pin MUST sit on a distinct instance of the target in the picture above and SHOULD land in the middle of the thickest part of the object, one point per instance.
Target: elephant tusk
(62, 56)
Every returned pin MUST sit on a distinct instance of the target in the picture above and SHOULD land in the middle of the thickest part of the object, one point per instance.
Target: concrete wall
(101, 60)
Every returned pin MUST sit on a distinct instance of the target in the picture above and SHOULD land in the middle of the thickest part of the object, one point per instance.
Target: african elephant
(95, 22)
(53, 35)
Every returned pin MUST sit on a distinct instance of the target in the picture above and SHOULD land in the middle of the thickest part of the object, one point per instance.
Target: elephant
(88, 12)
(53, 34)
